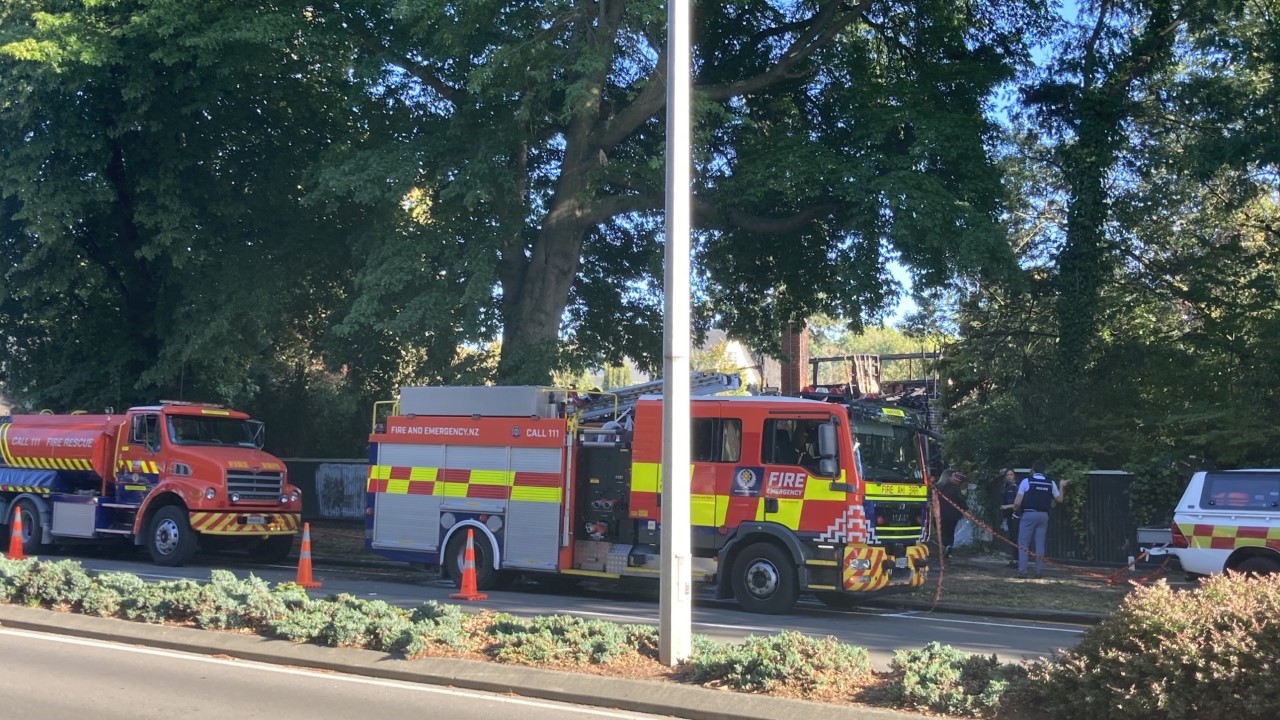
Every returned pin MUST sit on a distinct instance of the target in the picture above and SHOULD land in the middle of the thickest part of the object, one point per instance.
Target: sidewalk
(659, 698)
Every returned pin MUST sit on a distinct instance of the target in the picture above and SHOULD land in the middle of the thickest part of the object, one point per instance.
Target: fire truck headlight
(859, 564)
(210, 493)
(293, 496)
(284, 499)
(235, 497)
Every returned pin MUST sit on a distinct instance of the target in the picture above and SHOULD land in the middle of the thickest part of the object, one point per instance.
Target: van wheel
(1259, 565)
(764, 580)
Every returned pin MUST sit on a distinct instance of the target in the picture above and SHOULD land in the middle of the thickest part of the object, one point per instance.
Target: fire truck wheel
(272, 549)
(170, 539)
(764, 580)
(31, 533)
(1257, 565)
(486, 576)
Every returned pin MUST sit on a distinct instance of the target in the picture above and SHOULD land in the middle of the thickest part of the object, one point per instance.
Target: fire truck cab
(777, 498)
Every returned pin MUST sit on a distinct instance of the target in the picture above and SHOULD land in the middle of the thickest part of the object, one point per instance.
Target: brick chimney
(795, 358)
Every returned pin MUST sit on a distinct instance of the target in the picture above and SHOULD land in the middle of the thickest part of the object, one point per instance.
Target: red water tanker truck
(172, 477)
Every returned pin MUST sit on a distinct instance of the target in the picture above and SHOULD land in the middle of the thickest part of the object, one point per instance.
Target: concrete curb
(654, 697)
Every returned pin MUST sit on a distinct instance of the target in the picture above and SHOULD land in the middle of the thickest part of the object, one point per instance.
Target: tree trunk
(536, 289)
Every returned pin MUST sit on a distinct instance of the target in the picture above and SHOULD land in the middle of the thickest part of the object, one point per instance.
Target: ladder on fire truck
(617, 404)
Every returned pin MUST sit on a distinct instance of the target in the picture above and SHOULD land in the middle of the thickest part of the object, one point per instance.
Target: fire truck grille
(255, 487)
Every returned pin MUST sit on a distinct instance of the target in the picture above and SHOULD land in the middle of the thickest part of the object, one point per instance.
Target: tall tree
(153, 162)
(1085, 102)
(832, 135)
(1180, 361)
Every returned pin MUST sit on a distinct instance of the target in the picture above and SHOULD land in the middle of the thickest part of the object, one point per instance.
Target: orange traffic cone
(304, 560)
(467, 588)
(15, 536)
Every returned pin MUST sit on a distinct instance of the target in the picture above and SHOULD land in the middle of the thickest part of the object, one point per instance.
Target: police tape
(1110, 580)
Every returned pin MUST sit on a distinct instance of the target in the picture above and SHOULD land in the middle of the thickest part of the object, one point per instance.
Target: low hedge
(1164, 654)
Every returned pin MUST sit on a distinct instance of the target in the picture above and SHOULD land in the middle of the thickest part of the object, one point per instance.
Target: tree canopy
(296, 209)
(1138, 333)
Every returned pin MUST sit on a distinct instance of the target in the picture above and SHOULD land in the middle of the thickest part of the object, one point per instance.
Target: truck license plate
(255, 520)
(902, 562)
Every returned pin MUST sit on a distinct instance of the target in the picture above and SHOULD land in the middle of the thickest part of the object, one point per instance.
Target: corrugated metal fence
(1110, 533)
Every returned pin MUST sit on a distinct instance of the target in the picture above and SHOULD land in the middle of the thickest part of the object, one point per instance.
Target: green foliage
(226, 602)
(790, 659)
(1170, 655)
(11, 574)
(942, 679)
(52, 584)
(1140, 329)
(560, 640)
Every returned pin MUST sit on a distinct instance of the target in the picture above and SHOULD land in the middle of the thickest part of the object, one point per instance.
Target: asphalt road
(881, 632)
(51, 677)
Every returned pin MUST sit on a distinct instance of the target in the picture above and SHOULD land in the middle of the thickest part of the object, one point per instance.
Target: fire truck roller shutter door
(534, 512)
(407, 511)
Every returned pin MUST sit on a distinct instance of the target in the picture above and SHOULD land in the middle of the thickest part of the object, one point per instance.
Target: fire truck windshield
(887, 453)
(204, 430)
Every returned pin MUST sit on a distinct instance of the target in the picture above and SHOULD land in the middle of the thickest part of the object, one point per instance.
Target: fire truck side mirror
(259, 433)
(827, 466)
(827, 442)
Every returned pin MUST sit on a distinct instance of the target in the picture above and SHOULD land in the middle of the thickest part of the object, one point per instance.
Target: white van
(1228, 520)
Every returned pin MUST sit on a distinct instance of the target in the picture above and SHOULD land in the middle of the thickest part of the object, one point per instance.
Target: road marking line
(318, 674)
(957, 621)
(644, 619)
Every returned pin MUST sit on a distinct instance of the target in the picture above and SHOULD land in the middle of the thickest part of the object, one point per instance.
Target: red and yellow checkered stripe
(876, 577)
(1230, 537)
(516, 486)
(225, 523)
(137, 466)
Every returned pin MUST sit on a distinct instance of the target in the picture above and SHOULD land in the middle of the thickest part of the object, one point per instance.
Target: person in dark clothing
(951, 486)
(1007, 496)
(1036, 495)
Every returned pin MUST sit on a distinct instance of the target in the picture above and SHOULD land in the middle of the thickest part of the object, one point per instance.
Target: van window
(1241, 491)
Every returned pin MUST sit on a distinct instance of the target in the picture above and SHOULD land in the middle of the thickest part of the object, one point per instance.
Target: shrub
(790, 659)
(148, 602)
(559, 640)
(940, 678)
(107, 594)
(11, 574)
(1210, 652)
(303, 623)
(52, 584)
(438, 625)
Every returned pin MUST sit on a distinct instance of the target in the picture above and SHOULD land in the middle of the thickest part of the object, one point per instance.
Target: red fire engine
(547, 487)
(169, 476)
